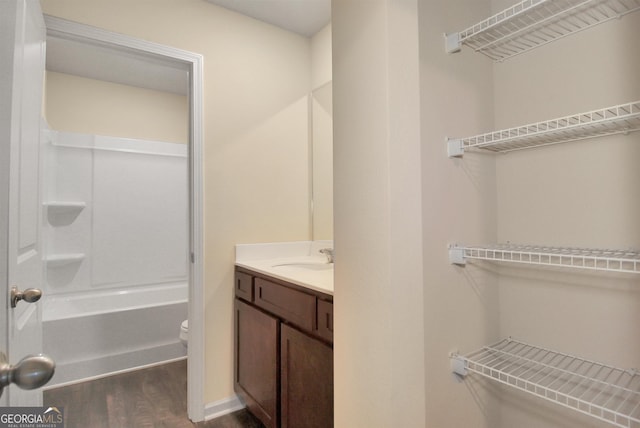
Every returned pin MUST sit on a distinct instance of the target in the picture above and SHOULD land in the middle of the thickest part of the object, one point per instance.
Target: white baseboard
(222, 407)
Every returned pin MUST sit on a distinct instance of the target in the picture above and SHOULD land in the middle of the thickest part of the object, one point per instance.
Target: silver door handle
(32, 372)
(29, 295)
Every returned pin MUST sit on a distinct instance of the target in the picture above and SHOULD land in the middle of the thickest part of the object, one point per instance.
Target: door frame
(194, 63)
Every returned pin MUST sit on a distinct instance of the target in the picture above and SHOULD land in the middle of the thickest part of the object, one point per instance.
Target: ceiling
(305, 17)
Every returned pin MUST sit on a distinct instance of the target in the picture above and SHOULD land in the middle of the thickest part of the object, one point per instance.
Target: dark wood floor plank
(155, 397)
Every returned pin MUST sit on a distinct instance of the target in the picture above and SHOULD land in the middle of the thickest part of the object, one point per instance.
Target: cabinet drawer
(244, 286)
(324, 326)
(293, 306)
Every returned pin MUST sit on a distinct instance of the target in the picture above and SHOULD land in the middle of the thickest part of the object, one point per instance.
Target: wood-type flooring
(154, 397)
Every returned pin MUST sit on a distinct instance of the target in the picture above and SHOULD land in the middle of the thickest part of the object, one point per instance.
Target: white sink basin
(304, 266)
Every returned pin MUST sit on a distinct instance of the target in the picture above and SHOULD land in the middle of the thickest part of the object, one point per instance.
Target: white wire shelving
(624, 261)
(604, 392)
(533, 23)
(619, 119)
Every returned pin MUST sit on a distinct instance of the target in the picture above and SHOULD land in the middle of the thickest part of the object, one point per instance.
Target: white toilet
(184, 332)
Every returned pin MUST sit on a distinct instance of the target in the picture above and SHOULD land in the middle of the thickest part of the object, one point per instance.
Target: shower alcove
(152, 285)
(116, 253)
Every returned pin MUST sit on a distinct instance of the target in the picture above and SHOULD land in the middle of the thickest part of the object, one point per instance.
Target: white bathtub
(103, 332)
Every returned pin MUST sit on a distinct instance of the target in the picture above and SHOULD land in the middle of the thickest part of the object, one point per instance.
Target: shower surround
(116, 228)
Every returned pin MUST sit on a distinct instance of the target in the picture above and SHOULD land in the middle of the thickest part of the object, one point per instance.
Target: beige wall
(78, 104)
(256, 80)
(459, 206)
(379, 339)
(322, 134)
(322, 157)
(321, 67)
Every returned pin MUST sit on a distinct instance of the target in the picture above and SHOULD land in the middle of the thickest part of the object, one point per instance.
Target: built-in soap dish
(63, 213)
(60, 260)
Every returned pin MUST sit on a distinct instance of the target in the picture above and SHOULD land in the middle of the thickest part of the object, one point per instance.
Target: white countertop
(295, 262)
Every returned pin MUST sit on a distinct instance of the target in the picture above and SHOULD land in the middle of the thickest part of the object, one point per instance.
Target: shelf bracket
(452, 42)
(458, 364)
(455, 149)
(456, 255)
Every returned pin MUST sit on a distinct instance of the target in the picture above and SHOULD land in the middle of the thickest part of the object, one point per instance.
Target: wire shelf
(598, 390)
(533, 23)
(578, 258)
(620, 119)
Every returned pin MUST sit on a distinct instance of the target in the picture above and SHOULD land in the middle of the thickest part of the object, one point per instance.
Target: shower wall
(116, 212)
(116, 245)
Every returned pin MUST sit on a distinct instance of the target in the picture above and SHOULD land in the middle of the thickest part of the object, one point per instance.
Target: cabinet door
(256, 362)
(307, 381)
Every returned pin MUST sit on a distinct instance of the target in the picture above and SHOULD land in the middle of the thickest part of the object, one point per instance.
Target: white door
(22, 53)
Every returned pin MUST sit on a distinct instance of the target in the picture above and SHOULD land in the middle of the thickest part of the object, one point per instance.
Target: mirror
(322, 162)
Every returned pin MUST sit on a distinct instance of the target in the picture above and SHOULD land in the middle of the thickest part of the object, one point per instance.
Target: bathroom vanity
(284, 343)
(283, 351)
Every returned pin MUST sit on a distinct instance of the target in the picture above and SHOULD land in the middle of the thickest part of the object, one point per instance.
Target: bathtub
(94, 334)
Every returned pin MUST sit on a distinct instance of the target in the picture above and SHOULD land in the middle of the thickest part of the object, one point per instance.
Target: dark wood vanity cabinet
(283, 352)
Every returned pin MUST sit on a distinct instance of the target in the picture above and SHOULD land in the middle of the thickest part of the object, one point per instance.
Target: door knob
(29, 295)
(32, 372)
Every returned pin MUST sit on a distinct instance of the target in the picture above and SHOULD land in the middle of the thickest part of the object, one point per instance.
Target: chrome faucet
(329, 253)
